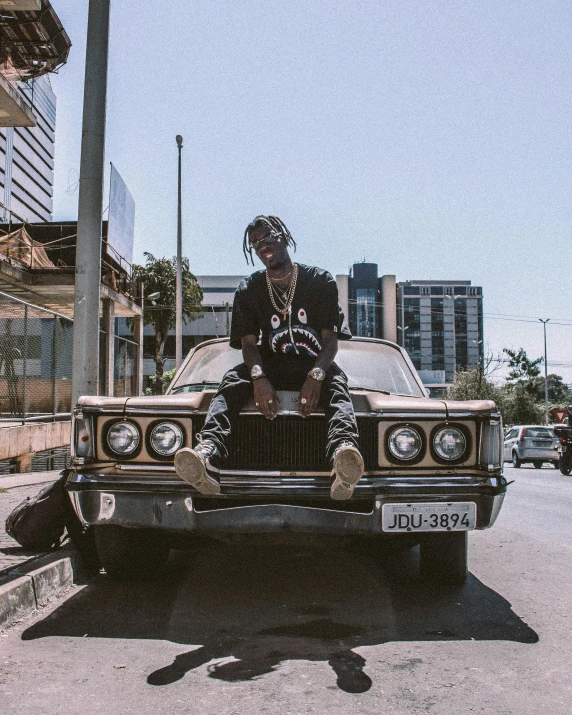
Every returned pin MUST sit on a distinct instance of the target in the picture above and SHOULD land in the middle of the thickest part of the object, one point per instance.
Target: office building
(441, 327)
(27, 158)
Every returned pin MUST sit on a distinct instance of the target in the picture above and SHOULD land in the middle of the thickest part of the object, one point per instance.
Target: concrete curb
(26, 588)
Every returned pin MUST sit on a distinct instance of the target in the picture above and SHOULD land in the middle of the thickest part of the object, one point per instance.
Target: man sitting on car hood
(286, 320)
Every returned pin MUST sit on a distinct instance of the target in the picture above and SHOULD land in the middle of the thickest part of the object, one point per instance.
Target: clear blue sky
(432, 137)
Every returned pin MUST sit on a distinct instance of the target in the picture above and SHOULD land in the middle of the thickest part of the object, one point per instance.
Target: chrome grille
(289, 443)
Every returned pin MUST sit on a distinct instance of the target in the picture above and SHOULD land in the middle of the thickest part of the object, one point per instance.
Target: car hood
(182, 401)
(421, 405)
(364, 401)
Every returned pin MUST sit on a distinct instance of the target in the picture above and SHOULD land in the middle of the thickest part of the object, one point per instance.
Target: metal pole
(85, 372)
(54, 367)
(545, 372)
(179, 285)
(25, 365)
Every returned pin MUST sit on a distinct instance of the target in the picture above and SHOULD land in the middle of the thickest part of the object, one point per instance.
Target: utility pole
(85, 371)
(545, 372)
(179, 283)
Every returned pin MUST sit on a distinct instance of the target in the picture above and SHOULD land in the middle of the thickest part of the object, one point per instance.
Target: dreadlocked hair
(274, 223)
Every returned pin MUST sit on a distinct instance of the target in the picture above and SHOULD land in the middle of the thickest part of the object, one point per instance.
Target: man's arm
(265, 396)
(311, 389)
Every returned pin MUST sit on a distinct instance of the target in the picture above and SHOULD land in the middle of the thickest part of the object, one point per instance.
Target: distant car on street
(433, 468)
(533, 444)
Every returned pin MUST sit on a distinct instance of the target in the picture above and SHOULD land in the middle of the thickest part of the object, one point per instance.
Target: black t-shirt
(315, 307)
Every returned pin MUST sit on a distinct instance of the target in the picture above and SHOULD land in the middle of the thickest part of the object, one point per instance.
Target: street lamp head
(179, 139)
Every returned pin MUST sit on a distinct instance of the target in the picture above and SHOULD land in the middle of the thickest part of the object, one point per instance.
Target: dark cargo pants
(236, 389)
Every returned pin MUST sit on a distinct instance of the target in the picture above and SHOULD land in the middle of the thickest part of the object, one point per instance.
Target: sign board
(121, 224)
(560, 415)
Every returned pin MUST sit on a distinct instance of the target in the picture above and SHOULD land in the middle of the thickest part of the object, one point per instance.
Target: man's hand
(265, 398)
(309, 396)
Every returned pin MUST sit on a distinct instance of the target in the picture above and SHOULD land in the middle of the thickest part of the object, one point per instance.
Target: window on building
(366, 314)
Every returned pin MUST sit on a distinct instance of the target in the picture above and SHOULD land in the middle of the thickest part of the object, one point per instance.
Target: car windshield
(368, 365)
(538, 432)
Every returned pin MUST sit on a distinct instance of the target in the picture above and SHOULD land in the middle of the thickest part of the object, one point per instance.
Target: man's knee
(236, 376)
(336, 379)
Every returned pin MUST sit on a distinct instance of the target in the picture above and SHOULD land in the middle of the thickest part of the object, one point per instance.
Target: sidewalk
(29, 579)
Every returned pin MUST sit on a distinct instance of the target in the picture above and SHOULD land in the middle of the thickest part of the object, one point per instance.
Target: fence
(36, 362)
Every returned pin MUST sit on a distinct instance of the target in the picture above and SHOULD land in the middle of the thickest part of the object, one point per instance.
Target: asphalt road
(317, 627)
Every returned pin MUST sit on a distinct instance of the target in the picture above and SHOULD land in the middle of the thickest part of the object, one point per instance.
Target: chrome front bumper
(179, 509)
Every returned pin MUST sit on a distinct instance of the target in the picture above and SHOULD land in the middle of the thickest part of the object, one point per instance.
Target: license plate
(448, 516)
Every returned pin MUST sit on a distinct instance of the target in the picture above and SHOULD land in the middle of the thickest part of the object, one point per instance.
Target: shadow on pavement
(247, 608)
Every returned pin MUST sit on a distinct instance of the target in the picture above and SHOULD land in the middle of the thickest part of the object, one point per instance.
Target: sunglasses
(272, 237)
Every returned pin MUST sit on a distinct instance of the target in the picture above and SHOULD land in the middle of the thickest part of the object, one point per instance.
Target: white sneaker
(348, 469)
(192, 465)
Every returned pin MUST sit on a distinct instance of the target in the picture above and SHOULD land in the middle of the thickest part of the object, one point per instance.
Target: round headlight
(449, 443)
(123, 438)
(405, 443)
(166, 438)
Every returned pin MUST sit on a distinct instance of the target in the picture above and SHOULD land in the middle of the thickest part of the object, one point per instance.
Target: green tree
(558, 392)
(159, 276)
(521, 368)
(474, 385)
(520, 408)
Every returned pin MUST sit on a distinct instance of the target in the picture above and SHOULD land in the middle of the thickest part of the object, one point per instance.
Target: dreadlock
(274, 223)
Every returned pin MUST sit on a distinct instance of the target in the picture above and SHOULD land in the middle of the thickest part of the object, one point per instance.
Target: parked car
(433, 467)
(531, 443)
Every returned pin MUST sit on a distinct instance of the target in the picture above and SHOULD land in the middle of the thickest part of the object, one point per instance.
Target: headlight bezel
(121, 455)
(82, 443)
(466, 435)
(149, 444)
(392, 457)
(491, 443)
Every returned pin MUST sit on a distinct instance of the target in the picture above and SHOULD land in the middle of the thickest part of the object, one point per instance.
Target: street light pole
(179, 283)
(545, 372)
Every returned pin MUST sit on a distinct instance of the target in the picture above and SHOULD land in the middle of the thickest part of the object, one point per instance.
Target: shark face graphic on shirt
(297, 338)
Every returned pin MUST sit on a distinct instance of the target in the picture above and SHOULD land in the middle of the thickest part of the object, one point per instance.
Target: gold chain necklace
(286, 299)
(288, 295)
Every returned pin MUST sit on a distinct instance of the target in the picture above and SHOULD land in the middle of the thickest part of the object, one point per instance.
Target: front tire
(130, 554)
(516, 463)
(444, 558)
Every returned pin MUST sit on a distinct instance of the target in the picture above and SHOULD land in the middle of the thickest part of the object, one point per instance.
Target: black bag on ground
(38, 523)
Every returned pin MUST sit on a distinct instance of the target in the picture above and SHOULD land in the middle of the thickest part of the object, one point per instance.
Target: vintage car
(433, 467)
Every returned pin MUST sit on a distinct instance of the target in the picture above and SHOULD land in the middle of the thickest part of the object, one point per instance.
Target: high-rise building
(441, 327)
(27, 158)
